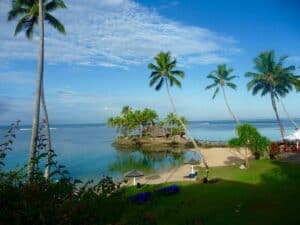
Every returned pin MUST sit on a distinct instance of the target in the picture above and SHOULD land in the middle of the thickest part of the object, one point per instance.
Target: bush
(59, 200)
(250, 138)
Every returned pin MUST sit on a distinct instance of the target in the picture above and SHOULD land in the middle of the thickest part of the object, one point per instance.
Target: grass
(266, 193)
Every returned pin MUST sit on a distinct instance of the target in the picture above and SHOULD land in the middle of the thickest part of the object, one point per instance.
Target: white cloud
(207, 59)
(115, 33)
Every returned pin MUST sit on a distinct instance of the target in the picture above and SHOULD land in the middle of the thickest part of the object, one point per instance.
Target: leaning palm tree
(163, 72)
(221, 79)
(272, 78)
(31, 13)
(296, 126)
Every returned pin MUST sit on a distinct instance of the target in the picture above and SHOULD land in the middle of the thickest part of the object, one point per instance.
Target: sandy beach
(214, 157)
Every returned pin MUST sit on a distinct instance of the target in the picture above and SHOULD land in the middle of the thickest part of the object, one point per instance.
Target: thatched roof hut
(158, 131)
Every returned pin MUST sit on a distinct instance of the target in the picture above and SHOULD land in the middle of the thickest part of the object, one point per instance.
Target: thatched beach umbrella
(134, 174)
(192, 162)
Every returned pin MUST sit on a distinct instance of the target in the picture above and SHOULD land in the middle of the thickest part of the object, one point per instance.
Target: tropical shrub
(251, 139)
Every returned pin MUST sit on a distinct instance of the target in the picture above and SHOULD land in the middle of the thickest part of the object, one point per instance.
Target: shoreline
(215, 157)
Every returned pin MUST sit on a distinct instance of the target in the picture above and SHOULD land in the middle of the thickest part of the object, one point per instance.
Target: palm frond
(29, 30)
(152, 66)
(163, 70)
(173, 80)
(25, 23)
(55, 23)
(210, 86)
(154, 80)
(159, 85)
(231, 85)
(231, 78)
(257, 88)
(250, 74)
(216, 92)
(154, 73)
(55, 4)
(251, 84)
(213, 76)
(178, 73)
(16, 12)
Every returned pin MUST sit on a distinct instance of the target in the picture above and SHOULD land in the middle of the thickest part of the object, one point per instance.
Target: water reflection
(148, 162)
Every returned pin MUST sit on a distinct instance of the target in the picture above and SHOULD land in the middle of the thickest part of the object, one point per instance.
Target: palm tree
(221, 79)
(33, 12)
(116, 122)
(288, 115)
(163, 72)
(139, 118)
(271, 78)
(171, 121)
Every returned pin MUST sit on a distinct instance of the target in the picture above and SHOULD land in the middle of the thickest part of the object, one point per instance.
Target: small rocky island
(144, 129)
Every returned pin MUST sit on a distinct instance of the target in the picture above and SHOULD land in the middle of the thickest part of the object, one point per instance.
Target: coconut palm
(288, 115)
(116, 122)
(31, 14)
(221, 79)
(171, 121)
(140, 119)
(164, 72)
(272, 78)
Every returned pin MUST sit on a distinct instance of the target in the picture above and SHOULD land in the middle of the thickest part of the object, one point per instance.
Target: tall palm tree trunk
(228, 107)
(185, 128)
(277, 115)
(288, 115)
(36, 117)
(47, 134)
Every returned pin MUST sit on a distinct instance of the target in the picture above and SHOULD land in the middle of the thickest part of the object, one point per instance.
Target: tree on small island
(142, 121)
(131, 120)
(172, 123)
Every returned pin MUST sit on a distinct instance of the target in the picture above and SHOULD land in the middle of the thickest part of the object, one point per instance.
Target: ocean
(87, 152)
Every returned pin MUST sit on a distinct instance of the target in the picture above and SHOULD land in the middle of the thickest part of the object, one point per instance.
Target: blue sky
(101, 64)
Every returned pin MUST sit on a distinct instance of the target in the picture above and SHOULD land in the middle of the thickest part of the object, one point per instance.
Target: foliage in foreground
(250, 138)
(57, 200)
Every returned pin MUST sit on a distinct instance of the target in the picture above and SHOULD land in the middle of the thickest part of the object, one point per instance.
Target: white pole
(133, 180)
(192, 168)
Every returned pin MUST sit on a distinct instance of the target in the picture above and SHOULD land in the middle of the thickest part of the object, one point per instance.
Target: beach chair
(191, 175)
(169, 190)
(141, 197)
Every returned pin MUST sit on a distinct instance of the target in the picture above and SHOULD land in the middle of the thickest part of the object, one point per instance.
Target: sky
(100, 65)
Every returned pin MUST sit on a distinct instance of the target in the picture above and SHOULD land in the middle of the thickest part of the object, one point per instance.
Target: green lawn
(266, 193)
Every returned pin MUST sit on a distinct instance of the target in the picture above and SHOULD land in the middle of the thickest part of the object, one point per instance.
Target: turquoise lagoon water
(88, 153)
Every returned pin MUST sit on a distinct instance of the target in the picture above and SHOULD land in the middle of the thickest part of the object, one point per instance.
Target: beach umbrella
(192, 162)
(134, 174)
